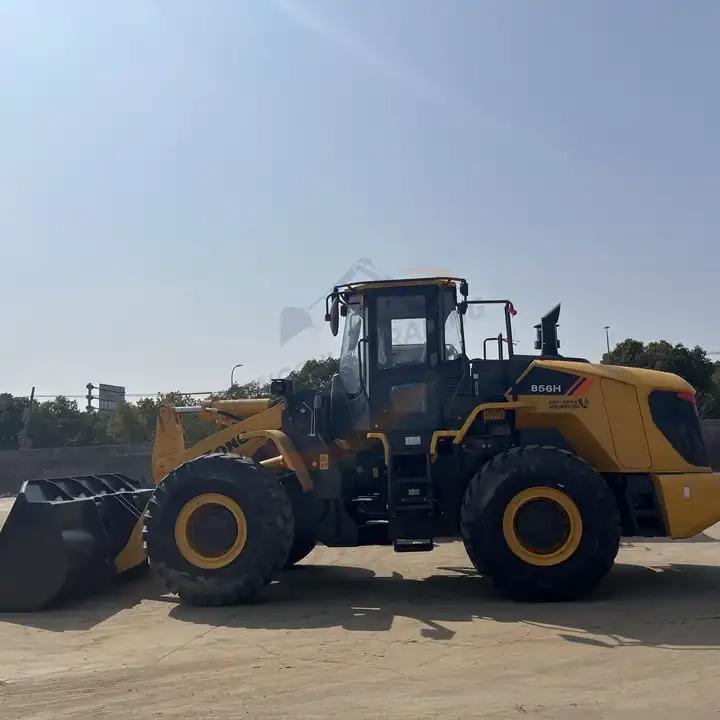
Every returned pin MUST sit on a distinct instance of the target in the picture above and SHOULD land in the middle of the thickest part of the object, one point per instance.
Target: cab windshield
(452, 343)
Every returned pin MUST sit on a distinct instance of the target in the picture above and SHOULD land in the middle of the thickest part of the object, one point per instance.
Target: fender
(459, 435)
(242, 438)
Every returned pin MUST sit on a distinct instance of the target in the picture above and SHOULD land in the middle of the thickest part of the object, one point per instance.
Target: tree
(692, 364)
(252, 389)
(712, 409)
(12, 420)
(317, 374)
(129, 424)
(60, 423)
(134, 423)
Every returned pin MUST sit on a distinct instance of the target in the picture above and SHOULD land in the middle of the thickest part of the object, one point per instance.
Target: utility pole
(607, 338)
(25, 439)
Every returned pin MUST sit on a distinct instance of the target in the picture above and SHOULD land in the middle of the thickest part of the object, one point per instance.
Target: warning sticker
(569, 404)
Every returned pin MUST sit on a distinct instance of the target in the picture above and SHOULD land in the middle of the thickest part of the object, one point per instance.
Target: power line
(136, 395)
(179, 392)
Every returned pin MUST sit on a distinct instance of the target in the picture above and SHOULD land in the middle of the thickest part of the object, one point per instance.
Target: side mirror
(335, 315)
(464, 288)
(462, 307)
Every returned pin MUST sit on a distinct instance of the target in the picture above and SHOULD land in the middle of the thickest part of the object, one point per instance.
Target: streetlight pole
(232, 374)
(607, 338)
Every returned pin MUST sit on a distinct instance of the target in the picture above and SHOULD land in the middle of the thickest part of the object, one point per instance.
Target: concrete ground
(366, 633)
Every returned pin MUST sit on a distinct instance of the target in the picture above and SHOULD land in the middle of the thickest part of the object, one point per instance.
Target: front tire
(542, 523)
(217, 529)
(303, 544)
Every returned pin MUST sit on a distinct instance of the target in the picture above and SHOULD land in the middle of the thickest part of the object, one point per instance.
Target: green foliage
(712, 408)
(252, 389)
(60, 423)
(132, 423)
(692, 364)
(12, 419)
(135, 422)
(317, 374)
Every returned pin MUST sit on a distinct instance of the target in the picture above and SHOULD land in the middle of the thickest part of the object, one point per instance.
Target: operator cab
(403, 363)
(399, 339)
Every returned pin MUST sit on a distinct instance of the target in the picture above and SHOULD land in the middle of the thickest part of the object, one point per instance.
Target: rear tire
(474, 559)
(579, 547)
(263, 529)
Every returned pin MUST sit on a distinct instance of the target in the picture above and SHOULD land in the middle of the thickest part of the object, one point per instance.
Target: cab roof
(364, 285)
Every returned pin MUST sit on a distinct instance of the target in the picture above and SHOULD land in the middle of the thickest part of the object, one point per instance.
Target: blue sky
(173, 174)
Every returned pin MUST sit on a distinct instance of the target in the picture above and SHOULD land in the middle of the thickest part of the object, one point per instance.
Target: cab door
(404, 359)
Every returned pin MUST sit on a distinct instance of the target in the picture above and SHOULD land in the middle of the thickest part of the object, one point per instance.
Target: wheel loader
(538, 463)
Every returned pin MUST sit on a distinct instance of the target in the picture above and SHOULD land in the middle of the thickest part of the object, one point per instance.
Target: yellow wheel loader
(538, 463)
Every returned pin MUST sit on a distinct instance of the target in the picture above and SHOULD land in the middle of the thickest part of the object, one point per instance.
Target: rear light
(675, 414)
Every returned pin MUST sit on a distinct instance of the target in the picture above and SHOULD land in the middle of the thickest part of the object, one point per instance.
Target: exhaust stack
(547, 337)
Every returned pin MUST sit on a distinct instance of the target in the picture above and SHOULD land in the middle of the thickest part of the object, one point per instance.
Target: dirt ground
(367, 633)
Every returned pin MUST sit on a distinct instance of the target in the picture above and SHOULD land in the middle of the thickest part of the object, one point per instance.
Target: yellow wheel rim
(556, 552)
(188, 525)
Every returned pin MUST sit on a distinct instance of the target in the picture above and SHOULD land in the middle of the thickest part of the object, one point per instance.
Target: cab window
(402, 331)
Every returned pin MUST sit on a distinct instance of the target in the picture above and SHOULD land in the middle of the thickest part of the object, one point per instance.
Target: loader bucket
(62, 535)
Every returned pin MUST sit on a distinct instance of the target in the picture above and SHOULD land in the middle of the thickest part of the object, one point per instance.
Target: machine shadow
(635, 606)
(83, 613)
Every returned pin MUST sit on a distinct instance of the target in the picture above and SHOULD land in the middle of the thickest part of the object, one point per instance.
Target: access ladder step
(411, 492)
(408, 505)
(412, 545)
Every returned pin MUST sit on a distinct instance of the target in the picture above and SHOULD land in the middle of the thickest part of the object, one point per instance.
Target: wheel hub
(210, 531)
(542, 526)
